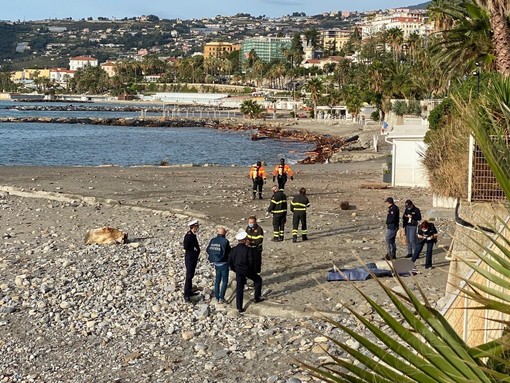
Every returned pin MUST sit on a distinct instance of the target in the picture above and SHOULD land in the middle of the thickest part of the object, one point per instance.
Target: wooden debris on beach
(375, 185)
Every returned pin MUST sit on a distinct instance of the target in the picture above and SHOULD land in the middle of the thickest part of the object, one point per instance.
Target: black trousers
(279, 225)
(191, 265)
(241, 282)
(257, 185)
(299, 216)
(281, 181)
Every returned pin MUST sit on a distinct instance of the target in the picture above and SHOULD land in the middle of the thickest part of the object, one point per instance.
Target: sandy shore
(37, 232)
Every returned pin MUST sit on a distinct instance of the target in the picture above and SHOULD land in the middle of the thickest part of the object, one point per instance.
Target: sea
(57, 144)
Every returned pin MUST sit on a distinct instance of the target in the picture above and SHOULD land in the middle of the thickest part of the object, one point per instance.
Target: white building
(80, 62)
(61, 75)
(407, 153)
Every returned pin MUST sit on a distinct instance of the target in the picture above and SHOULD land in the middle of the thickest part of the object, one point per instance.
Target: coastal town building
(219, 49)
(335, 39)
(109, 68)
(29, 75)
(61, 75)
(80, 62)
(409, 21)
(266, 48)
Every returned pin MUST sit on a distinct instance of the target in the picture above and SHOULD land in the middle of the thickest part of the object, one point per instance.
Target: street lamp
(477, 74)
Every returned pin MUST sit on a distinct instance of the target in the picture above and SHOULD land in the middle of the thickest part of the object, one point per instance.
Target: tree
(315, 87)
(251, 108)
(499, 11)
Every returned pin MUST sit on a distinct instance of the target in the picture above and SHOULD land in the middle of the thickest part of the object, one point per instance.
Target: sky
(171, 9)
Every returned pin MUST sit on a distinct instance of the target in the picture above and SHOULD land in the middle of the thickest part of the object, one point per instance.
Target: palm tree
(251, 108)
(468, 42)
(315, 87)
(499, 11)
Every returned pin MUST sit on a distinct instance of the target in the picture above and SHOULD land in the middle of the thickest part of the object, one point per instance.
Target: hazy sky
(77, 9)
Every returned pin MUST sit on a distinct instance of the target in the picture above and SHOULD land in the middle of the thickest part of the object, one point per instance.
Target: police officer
(278, 206)
(258, 177)
(410, 220)
(191, 253)
(281, 172)
(255, 235)
(392, 220)
(298, 206)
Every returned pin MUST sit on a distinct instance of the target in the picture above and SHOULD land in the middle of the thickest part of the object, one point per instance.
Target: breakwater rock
(146, 122)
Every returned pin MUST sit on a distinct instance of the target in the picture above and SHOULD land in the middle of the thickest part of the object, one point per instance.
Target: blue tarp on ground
(356, 274)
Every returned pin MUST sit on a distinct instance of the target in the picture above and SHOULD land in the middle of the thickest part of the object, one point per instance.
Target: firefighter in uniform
(298, 207)
(278, 207)
(255, 235)
(281, 172)
(258, 176)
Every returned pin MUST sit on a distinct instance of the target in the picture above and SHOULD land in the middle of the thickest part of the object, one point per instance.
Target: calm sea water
(89, 145)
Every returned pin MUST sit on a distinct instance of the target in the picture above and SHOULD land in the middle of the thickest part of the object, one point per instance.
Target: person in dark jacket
(255, 235)
(192, 251)
(427, 234)
(410, 220)
(392, 224)
(298, 207)
(241, 263)
(218, 251)
(278, 206)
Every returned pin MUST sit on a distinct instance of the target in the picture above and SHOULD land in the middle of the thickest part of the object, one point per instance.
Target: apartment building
(219, 49)
(79, 62)
(266, 48)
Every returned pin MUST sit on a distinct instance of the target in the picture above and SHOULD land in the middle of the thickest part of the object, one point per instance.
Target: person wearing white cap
(192, 251)
(241, 263)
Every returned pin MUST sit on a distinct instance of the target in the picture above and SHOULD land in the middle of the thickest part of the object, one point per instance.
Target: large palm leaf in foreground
(418, 344)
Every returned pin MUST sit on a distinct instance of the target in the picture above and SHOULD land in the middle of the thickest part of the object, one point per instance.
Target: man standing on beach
(278, 206)
(192, 251)
(255, 235)
(241, 263)
(281, 172)
(298, 206)
(392, 220)
(258, 177)
(410, 219)
(218, 251)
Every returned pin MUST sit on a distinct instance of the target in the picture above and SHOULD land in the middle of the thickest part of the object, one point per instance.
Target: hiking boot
(260, 196)
(258, 300)
(281, 239)
(304, 237)
(294, 238)
(409, 256)
(253, 196)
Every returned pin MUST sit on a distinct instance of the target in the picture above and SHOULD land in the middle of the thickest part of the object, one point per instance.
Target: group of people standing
(417, 234)
(245, 259)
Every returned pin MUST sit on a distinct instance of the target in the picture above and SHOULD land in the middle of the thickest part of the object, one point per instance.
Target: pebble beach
(71, 312)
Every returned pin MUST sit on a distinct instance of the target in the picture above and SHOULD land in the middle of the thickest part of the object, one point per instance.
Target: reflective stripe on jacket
(278, 204)
(299, 203)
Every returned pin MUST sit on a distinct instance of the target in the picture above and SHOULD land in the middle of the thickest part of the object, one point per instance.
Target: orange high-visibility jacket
(257, 172)
(281, 170)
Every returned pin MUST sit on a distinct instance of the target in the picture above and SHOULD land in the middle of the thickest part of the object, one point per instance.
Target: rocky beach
(71, 312)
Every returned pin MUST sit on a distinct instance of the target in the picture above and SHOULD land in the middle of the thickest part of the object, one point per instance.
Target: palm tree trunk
(501, 39)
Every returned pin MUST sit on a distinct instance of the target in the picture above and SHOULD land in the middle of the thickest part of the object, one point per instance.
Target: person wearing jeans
(218, 251)
(410, 220)
(427, 234)
(392, 220)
